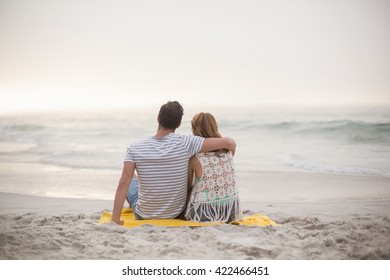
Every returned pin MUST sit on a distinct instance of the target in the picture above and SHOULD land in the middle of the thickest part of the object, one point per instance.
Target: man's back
(162, 168)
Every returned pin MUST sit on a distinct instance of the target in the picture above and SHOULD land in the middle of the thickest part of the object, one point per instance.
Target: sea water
(69, 146)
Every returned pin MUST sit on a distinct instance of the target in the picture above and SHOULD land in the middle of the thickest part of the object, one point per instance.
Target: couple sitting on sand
(180, 176)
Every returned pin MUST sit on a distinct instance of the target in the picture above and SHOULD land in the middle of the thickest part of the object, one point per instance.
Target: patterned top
(162, 168)
(214, 197)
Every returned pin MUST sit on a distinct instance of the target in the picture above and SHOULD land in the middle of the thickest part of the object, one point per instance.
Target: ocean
(80, 154)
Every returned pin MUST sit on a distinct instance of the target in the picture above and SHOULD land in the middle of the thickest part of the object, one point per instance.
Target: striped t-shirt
(162, 168)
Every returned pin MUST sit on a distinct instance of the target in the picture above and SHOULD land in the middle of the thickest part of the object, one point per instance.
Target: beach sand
(343, 224)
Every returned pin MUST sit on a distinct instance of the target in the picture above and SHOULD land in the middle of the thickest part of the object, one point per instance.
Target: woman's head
(205, 125)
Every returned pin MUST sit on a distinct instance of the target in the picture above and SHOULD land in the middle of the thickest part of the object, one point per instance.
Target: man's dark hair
(170, 115)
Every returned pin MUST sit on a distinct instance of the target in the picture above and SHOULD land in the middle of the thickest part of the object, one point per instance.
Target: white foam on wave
(10, 147)
(306, 163)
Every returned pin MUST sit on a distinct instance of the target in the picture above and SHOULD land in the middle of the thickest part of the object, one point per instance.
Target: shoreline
(16, 202)
(254, 186)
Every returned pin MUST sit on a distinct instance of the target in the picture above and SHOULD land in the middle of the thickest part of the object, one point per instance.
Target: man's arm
(121, 191)
(213, 144)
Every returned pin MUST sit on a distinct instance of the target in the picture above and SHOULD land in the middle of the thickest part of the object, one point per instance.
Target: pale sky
(91, 54)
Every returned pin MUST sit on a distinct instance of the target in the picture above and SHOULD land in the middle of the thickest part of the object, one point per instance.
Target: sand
(34, 227)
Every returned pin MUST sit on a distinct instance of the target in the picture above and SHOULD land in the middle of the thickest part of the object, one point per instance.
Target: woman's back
(214, 196)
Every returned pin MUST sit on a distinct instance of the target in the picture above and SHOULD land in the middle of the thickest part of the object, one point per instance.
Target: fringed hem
(220, 211)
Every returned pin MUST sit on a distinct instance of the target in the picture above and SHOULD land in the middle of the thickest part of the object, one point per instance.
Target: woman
(213, 195)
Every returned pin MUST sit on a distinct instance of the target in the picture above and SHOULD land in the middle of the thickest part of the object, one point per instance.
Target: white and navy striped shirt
(162, 168)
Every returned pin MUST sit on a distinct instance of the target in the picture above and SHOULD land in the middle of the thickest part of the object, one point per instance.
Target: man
(161, 161)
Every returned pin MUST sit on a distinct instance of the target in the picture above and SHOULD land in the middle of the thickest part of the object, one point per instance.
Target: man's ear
(178, 125)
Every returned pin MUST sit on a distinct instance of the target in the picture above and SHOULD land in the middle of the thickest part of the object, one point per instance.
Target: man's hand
(118, 222)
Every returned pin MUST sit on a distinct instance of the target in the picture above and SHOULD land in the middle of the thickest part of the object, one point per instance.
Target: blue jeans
(132, 197)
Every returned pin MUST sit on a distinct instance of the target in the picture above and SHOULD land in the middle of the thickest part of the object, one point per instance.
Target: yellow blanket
(129, 221)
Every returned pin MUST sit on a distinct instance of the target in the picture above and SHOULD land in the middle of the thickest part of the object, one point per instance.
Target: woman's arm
(191, 173)
(190, 177)
(194, 170)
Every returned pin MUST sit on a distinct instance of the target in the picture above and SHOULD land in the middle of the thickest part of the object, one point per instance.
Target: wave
(302, 162)
(352, 131)
(24, 127)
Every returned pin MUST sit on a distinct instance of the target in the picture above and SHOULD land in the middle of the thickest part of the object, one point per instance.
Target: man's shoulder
(189, 137)
(140, 143)
(183, 137)
(171, 139)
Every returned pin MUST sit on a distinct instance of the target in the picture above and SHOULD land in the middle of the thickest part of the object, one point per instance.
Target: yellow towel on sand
(129, 221)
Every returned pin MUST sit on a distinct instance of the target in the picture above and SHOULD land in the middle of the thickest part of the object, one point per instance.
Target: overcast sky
(86, 54)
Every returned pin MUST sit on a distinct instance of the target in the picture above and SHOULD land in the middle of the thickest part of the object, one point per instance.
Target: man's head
(170, 115)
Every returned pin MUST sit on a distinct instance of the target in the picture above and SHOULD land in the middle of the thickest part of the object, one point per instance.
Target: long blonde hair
(205, 125)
